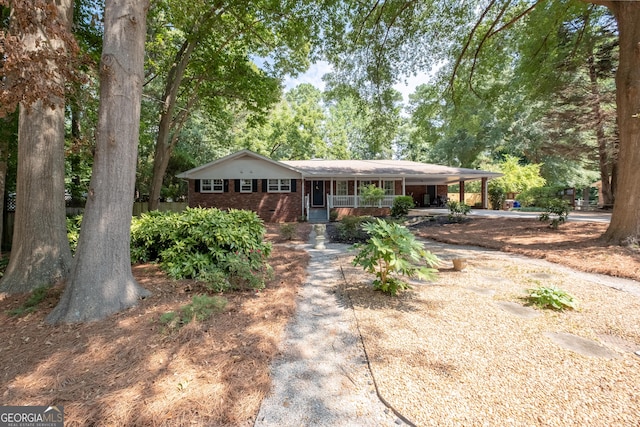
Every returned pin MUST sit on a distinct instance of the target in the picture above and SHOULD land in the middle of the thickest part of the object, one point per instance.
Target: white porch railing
(352, 201)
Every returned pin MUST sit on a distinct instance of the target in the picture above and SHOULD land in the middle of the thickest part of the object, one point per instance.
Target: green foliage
(350, 227)
(497, 196)
(556, 211)
(333, 215)
(539, 196)
(73, 231)
(401, 206)
(457, 210)
(200, 309)
(196, 242)
(551, 297)
(371, 195)
(288, 231)
(37, 296)
(393, 250)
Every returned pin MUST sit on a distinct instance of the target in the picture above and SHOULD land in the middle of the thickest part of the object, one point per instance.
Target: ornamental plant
(391, 251)
(551, 297)
(196, 243)
(556, 211)
(401, 206)
(457, 210)
(371, 195)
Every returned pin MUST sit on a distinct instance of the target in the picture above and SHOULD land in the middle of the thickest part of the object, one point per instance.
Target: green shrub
(457, 210)
(401, 206)
(350, 227)
(333, 215)
(200, 309)
(556, 211)
(73, 231)
(288, 231)
(371, 195)
(195, 242)
(539, 196)
(392, 249)
(497, 196)
(551, 297)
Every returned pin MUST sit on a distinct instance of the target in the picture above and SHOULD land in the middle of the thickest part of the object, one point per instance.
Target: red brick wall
(342, 212)
(271, 207)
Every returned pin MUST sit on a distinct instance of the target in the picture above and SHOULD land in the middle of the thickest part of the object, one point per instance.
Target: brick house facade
(287, 191)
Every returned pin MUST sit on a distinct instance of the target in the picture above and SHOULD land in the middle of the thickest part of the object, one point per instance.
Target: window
(211, 186)
(279, 185)
(389, 188)
(246, 186)
(341, 188)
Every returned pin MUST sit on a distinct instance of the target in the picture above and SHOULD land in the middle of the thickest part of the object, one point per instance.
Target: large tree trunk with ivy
(101, 281)
(40, 254)
(625, 219)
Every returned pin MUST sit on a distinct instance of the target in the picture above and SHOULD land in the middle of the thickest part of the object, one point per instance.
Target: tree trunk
(101, 281)
(625, 219)
(605, 153)
(163, 143)
(40, 254)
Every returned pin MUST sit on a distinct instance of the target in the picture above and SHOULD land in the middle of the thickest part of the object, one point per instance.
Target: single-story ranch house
(286, 191)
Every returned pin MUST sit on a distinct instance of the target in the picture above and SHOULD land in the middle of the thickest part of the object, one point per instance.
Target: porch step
(318, 215)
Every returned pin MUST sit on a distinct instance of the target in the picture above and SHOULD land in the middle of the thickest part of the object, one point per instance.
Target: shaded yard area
(445, 353)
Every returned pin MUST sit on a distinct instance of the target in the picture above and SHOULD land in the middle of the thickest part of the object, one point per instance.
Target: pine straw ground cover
(128, 370)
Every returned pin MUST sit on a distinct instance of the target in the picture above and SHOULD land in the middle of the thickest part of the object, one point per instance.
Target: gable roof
(192, 173)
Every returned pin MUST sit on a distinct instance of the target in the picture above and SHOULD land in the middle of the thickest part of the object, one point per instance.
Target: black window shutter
(293, 185)
(236, 185)
(197, 184)
(225, 185)
(264, 185)
(254, 185)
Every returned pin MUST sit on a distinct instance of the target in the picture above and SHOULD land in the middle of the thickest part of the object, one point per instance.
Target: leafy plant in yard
(350, 227)
(201, 308)
(288, 231)
(457, 210)
(197, 242)
(371, 195)
(393, 250)
(551, 297)
(556, 211)
(37, 296)
(401, 206)
(73, 231)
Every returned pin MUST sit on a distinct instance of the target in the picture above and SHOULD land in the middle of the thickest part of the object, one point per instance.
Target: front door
(317, 193)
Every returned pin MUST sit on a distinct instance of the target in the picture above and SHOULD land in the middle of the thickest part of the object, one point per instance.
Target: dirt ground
(128, 370)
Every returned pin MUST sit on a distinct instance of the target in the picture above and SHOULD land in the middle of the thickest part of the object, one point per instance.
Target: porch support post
(331, 192)
(461, 192)
(355, 191)
(379, 186)
(404, 187)
(485, 194)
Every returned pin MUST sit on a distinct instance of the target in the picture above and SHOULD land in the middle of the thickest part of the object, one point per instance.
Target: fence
(471, 199)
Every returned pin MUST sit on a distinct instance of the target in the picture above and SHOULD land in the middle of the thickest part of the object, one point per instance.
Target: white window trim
(210, 183)
(346, 188)
(283, 185)
(392, 189)
(243, 183)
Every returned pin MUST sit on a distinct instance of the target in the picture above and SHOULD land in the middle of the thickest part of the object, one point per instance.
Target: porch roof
(413, 172)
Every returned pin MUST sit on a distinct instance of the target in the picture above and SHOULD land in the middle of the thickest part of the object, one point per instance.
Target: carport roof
(413, 172)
